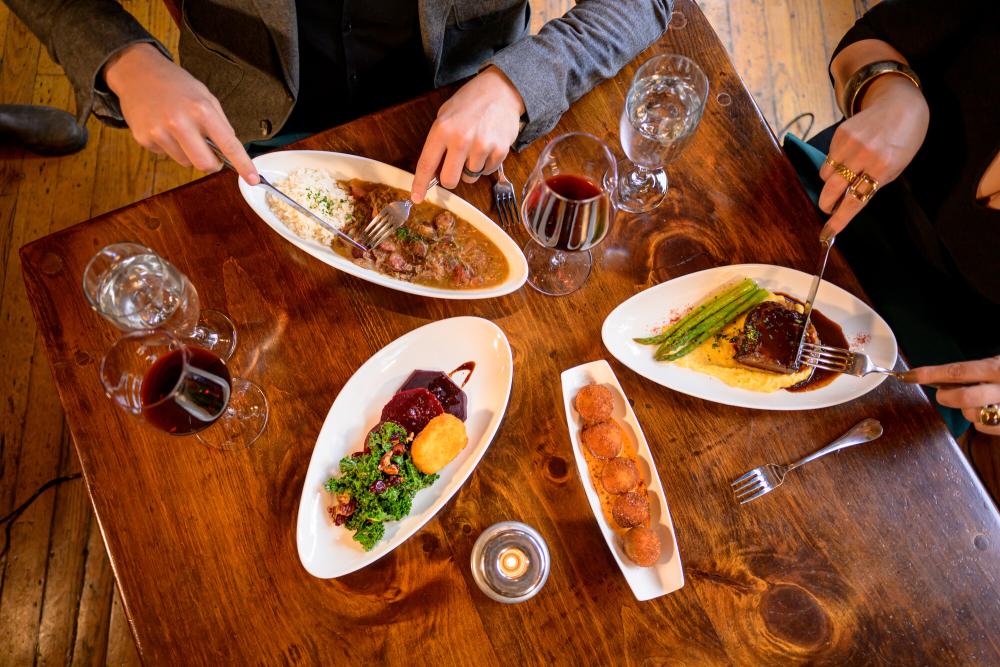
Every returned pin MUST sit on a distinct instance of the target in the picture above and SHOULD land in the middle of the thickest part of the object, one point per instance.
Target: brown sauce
(831, 334)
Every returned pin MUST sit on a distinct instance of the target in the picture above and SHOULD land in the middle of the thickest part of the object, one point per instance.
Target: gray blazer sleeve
(81, 35)
(570, 55)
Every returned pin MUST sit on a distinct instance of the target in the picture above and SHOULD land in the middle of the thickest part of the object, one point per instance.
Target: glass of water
(662, 111)
(136, 289)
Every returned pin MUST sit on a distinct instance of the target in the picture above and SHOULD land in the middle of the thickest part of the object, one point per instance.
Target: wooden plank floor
(57, 595)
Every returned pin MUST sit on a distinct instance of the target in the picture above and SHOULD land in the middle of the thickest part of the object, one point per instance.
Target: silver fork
(389, 219)
(768, 477)
(839, 360)
(506, 200)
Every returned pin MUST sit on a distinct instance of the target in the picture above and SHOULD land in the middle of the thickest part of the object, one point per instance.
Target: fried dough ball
(630, 509)
(604, 439)
(642, 546)
(440, 441)
(594, 403)
(619, 475)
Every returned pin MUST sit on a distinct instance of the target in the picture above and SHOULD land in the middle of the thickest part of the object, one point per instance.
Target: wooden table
(888, 553)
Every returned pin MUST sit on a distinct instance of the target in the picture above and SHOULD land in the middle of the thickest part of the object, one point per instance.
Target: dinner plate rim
(673, 569)
(745, 398)
(517, 264)
(317, 458)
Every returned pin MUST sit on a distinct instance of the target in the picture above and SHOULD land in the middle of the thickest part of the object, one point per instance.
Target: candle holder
(510, 562)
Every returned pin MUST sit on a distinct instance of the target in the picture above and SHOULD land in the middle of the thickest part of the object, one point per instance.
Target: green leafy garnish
(359, 478)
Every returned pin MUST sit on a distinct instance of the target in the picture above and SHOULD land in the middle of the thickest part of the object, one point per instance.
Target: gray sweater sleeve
(81, 35)
(570, 55)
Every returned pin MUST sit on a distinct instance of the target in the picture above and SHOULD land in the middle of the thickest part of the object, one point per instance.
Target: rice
(318, 191)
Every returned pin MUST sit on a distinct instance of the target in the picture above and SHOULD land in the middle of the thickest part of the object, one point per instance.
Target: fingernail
(253, 179)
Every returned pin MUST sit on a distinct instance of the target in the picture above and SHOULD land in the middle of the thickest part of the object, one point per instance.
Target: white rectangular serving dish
(666, 575)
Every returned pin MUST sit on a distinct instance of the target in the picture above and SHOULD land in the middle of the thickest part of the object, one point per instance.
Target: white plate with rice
(314, 185)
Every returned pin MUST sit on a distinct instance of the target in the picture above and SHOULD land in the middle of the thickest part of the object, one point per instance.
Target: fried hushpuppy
(630, 509)
(594, 403)
(642, 546)
(619, 475)
(440, 441)
(604, 439)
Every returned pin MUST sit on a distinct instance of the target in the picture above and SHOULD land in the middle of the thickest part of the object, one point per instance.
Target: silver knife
(826, 240)
(291, 202)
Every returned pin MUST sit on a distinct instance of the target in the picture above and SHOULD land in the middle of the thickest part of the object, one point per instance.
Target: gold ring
(862, 195)
(845, 172)
(989, 415)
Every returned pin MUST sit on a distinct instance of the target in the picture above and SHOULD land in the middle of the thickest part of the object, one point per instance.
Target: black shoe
(41, 130)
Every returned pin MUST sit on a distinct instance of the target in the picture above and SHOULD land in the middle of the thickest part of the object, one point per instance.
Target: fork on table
(389, 219)
(506, 200)
(839, 360)
(768, 477)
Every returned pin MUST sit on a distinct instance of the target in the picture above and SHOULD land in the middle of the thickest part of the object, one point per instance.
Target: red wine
(193, 406)
(576, 219)
(571, 186)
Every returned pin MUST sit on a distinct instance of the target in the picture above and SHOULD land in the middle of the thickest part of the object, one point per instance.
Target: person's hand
(982, 377)
(879, 140)
(474, 129)
(170, 112)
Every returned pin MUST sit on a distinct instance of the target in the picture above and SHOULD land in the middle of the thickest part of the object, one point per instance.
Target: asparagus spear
(710, 327)
(700, 313)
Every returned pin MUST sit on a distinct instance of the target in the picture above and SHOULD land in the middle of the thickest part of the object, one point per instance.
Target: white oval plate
(666, 575)
(639, 315)
(276, 166)
(329, 551)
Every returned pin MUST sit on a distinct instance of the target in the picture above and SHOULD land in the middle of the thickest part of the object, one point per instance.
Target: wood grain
(874, 555)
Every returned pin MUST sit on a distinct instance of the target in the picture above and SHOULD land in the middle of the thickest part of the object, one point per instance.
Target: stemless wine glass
(183, 390)
(661, 114)
(135, 289)
(567, 210)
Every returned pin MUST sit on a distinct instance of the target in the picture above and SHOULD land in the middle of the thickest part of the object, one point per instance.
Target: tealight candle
(510, 562)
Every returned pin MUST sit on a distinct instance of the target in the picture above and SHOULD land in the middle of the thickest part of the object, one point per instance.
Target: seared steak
(770, 337)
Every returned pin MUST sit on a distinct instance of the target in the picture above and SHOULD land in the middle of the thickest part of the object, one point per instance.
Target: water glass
(662, 110)
(135, 289)
(567, 210)
(183, 390)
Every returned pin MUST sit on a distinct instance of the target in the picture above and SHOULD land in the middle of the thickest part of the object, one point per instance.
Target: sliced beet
(412, 409)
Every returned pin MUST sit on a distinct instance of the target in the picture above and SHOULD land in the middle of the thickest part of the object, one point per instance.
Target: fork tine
(511, 214)
(756, 495)
(756, 480)
(750, 491)
(376, 221)
(501, 210)
(825, 366)
(825, 357)
(825, 349)
(744, 477)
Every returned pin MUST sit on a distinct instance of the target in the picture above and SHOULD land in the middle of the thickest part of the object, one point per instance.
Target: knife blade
(291, 202)
(826, 241)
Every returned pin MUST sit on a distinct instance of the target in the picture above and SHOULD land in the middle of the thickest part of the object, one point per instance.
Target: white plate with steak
(462, 254)
(326, 545)
(649, 311)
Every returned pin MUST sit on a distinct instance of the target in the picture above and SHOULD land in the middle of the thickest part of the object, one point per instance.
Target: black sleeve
(918, 29)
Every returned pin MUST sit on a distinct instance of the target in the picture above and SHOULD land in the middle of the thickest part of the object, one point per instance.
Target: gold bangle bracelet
(864, 76)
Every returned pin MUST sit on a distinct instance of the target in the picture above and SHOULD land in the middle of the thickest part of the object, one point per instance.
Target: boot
(41, 130)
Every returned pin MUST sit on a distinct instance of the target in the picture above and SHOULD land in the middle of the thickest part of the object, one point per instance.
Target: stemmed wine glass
(136, 289)
(183, 389)
(662, 111)
(567, 210)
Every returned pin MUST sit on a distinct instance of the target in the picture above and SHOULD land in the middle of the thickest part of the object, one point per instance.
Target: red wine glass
(567, 210)
(183, 390)
(135, 289)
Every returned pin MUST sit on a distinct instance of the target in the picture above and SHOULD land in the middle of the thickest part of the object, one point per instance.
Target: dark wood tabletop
(888, 552)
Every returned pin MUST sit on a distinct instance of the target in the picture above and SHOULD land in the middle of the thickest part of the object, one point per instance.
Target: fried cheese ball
(619, 475)
(440, 442)
(642, 546)
(604, 439)
(630, 509)
(594, 403)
